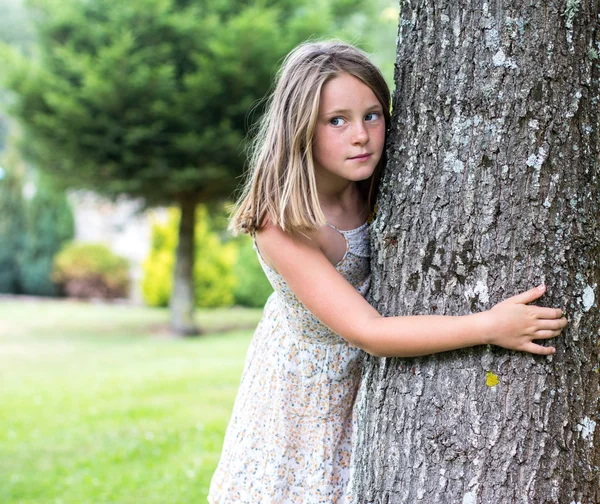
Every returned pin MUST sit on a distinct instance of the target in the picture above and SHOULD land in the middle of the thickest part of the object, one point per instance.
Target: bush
(157, 282)
(49, 224)
(253, 287)
(213, 266)
(87, 270)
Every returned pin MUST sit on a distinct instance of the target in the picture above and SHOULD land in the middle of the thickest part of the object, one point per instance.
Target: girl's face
(350, 132)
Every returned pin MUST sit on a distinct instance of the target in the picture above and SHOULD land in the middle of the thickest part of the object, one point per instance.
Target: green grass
(98, 404)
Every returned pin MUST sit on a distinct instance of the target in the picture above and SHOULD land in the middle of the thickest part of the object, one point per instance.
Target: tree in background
(151, 98)
(12, 220)
(32, 229)
(48, 226)
(492, 186)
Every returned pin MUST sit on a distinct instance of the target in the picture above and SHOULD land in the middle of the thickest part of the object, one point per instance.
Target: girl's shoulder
(272, 241)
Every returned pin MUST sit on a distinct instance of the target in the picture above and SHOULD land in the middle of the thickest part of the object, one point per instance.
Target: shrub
(87, 270)
(213, 266)
(253, 288)
(157, 282)
(49, 224)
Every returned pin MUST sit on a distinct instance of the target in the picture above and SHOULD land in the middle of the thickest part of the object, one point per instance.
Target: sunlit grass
(98, 404)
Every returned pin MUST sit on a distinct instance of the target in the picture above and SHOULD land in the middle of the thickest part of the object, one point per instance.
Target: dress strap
(332, 226)
(348, 231)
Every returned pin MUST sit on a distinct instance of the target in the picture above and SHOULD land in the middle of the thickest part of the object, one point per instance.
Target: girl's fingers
(528, 296)
(548, 313)
(538, 349)
(545, 334)
(552, 324)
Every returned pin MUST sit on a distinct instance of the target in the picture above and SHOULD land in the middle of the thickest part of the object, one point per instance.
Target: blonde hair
(281, 183)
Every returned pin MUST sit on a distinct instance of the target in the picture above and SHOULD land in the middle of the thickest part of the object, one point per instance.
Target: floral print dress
(289, 438)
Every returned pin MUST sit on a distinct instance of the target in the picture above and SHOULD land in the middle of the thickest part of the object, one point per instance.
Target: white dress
(289, 438)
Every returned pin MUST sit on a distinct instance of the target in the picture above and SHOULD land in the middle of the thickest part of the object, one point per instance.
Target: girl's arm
(319, 286)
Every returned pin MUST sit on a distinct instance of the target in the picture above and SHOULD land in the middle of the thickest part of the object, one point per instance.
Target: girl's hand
(514, 323)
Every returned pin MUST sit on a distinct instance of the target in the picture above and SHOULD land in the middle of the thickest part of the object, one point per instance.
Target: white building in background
(120, 225)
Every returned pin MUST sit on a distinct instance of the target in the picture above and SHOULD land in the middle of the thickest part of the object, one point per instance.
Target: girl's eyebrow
(345, 111)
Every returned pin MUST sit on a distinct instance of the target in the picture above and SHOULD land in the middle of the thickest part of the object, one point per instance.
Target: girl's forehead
(346, 92)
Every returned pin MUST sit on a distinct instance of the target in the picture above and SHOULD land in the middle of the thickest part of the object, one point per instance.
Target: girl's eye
(336, 121)
(372, 116)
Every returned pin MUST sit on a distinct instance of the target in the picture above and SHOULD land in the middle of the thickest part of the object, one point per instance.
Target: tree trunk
(492, 187)
(183, 299)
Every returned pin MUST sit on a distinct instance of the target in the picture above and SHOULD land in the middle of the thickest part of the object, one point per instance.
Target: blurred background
(123, 128)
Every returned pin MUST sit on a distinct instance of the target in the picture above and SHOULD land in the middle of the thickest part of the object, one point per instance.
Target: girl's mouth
(362, 157)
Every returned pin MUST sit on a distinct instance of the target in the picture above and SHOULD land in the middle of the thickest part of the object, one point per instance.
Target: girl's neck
(345, 206)
(338, 196)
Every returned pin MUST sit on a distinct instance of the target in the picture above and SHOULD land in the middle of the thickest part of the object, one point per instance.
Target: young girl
(307, 203)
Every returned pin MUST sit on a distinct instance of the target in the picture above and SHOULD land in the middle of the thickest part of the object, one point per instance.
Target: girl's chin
(360, 175)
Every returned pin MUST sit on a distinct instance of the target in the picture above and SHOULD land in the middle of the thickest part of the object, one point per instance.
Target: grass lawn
(98, 404)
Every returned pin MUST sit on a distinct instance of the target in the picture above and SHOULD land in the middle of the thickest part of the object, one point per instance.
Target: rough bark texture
(492, 187)
(183, 297)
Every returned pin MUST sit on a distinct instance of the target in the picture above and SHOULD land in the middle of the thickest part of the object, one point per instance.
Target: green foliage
(382, 38)
(49, 224)
(150, 97)
(157, 283)
(88, 270)
(253, 287)
(214, 279)
(12, 218)
(213, 267)
(3, 130)
(31, 232)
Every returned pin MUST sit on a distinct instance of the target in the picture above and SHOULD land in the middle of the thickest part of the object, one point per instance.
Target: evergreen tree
(11, 228)
(151, 97)
(49, 224)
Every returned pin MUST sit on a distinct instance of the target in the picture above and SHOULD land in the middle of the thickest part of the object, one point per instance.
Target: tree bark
(183, 298)
(492, 187)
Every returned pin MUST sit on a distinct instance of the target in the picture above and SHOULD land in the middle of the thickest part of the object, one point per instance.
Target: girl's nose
(361, 135)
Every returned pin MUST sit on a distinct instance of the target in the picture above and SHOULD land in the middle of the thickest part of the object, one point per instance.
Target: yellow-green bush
(213, 267)
(157, 282)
